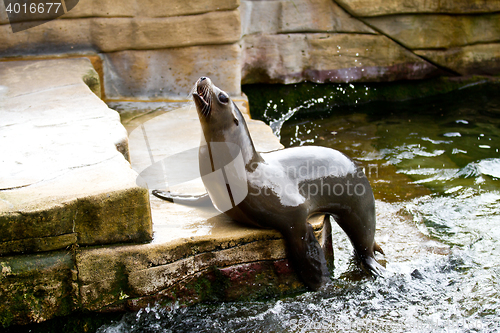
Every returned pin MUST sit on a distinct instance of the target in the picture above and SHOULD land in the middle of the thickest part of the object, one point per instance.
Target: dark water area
(434, 166)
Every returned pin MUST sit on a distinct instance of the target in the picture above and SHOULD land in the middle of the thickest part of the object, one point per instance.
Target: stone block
(328, 58)
(439, 31)
(39, 244)
(162, 277)
(65, 178)
(318, 16)
(272, 17)
(114, 217)
(136, 274)
(483, 59)
(35, 288)
(387, 7)
(260, 17)
(116, 34)
(57, 36)
(157, 8)
(170, 73)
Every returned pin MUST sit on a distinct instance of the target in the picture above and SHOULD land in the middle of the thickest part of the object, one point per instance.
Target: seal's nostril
(202, 79)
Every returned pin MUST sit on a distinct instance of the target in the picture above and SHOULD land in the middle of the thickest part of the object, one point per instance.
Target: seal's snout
(202, 95)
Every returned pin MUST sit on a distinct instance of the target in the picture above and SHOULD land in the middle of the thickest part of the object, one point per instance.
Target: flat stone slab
(65, 177)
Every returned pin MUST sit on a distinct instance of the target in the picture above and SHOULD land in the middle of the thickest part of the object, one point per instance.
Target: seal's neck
(228, 144)
(225, 145)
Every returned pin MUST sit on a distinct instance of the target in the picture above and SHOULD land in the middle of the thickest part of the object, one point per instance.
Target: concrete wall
(157, 49)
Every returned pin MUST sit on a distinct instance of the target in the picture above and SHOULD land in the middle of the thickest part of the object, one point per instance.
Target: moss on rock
(34, 288)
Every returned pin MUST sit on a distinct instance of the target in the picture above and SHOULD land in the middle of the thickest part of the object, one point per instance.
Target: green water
(434, 166)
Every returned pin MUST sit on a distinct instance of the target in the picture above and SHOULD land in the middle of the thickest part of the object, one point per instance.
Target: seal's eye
(223, 98)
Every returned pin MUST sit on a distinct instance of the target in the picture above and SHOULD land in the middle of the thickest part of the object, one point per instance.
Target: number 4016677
(33, 8)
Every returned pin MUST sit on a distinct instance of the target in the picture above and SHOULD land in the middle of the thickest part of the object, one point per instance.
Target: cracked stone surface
(65, 178)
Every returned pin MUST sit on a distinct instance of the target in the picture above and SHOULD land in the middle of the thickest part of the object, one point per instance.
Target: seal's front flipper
(308, 258)
(183, 199)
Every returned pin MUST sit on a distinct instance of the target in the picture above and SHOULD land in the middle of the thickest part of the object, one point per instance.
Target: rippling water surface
(434, 166)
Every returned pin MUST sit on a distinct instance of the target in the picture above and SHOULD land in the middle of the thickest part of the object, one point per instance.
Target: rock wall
(153, 49)
(368, 41)
(157, 49)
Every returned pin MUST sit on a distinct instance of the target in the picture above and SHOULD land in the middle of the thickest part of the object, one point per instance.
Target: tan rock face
(115, 34)
(135, 8)
(297, 16)
(4, 19)
(473, 59)
(170, 73)
(111, 35)
(387, 7)
(269, 56)
(328, 58)
(439, 31)
(156, 8)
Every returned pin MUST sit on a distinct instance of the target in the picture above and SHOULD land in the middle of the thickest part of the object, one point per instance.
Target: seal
(282, 188)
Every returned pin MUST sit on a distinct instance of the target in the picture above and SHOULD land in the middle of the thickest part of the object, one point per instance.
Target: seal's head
(216, 110)
(222, 123)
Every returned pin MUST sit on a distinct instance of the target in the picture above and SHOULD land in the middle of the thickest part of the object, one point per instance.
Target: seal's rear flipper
(327, 242)
(373, 266)
(183, 199)
(308, 258)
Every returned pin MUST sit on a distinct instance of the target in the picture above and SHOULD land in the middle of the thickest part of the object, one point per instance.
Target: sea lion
(281, 189)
